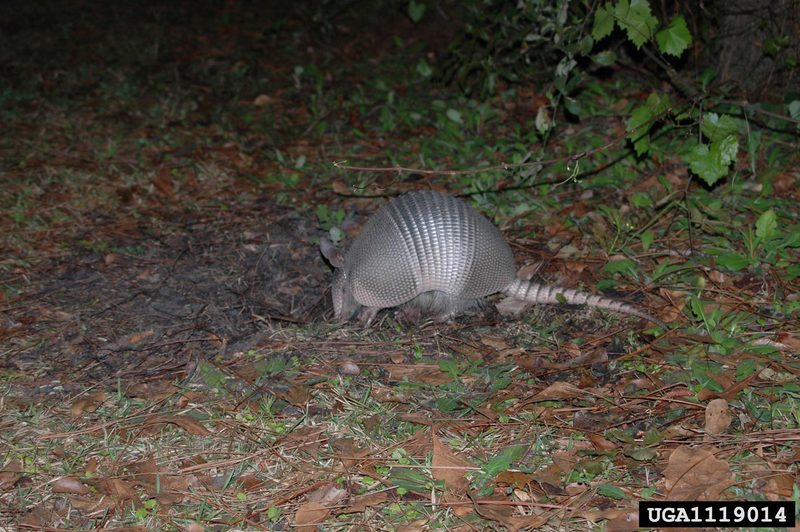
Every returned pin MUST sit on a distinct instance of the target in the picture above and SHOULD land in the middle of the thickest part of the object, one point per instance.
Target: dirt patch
(196, 288)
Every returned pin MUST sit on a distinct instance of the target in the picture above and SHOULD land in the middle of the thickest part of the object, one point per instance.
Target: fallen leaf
(187, 423)
(449, 467)
(718, 418)
(504, 514)
(8, 479)
(368, 500)
(419, 374)
(695, 474)
(88, 403)
(318, 506)
(69, 485)
(516, 479)
(557, 390)
(600, 443)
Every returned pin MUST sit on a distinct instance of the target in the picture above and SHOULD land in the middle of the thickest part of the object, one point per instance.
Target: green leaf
(605, 58)
(647, 240)
(675, 38)
(449, 366)
(455, 116)
(612, 492)
(717, 127)
(711, 161)
(652, 437)
(639, 124)
(641, 454)
(636, 19)
(620, 266)
(409, 479)
(794, 109)
(424, 69)
(766, 225)
(502, 462)
(603, 22)
(744, 369)
(793, 272)
(416, 10)
(733, 261)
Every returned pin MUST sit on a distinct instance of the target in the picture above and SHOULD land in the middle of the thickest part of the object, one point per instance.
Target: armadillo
(433, 253)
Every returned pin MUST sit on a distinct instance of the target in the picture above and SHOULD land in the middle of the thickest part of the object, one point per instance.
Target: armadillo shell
(427, 241)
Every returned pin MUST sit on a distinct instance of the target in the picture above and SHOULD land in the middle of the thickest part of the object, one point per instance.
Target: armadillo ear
(330, 252)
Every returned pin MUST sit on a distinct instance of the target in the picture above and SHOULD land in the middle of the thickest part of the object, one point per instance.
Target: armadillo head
(344, 304)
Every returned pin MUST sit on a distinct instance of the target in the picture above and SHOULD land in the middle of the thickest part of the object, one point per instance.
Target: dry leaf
(263, 100)
(695, 474)
(8, 479)
(557, 390)
(600, 443)
(504, 514)
(187, 423)
(718, 418)
(69, 485)
(419, 373)
(88, 403)
(348, 451)
(319, 505)
(91, 466)
(368, 500)
(618, 519)
(495, 342)
(516, 479)
(449, 467)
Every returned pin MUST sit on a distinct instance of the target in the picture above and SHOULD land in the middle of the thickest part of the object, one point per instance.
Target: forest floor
(168, 357)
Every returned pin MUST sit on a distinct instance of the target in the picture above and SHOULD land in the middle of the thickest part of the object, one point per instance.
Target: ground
(167, 349)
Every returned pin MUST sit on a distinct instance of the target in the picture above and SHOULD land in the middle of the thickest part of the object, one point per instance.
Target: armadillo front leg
(366, 315)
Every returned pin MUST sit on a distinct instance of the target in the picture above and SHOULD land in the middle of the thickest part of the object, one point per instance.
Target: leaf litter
(167, 364)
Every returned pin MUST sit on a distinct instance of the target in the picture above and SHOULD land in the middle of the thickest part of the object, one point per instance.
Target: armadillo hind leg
(441, 305)
(544, 294)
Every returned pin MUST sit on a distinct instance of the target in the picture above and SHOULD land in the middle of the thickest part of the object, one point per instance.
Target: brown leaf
(91, 465)
(163, 182)
(504, 514)
(263, 100)
(624, 522)
(565, 460)
(88, 403)
(318, 506)
(348, 451)
(496, 342)
(600, 443)
(8, 479)
(115, 487)
(718, 418)
(89, 505)
(153, 391)
(187, 423)
(618, 519)
(449, 467)
(419, 374)
(249, 482)
(69, 485)
(368, 500)
(296, 394)
(417, 417)
(550, 475)
(557, 390)
(516, 479)
(144, 471)
(696, 474)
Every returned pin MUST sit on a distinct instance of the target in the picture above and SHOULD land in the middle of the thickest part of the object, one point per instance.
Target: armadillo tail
(536, 293)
